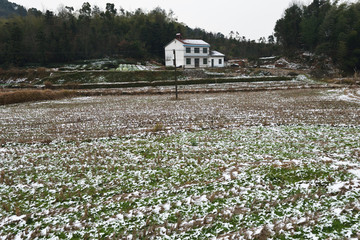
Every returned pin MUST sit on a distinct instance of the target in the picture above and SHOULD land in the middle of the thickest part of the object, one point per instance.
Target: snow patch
(156, 210)
(166, 206)
(356, 172)
(336, 187)
(201, 200)
(304, 185)
(337, 211)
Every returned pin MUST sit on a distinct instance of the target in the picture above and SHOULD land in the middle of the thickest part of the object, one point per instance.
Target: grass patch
(29, 74)
(290, 175)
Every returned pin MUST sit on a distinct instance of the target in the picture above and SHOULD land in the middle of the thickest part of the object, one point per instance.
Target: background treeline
(325, 28)
(8, 9)
(88, 33)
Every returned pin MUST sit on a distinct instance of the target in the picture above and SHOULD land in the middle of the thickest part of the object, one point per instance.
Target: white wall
(201, 62)
(169, 55)
(216, 62)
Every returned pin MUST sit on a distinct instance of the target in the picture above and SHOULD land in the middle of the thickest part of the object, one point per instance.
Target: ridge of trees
(69, 35)
(8, 9)
(324, 28)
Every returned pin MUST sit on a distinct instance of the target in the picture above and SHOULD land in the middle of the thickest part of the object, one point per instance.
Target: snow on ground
(282, 164)
(204, 183)
(93, 117)
(132, 67)
(351, 95)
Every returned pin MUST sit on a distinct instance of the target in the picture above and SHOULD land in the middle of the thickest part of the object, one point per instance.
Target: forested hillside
(323, 27)
(45, 38)
(8, 9)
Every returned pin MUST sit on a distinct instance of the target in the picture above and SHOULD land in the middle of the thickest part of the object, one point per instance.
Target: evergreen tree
(287, 29)
(325, 28)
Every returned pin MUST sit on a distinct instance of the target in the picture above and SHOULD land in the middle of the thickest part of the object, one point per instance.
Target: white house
(192, 53)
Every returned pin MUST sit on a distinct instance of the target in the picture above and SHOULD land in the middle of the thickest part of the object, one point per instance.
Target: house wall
(169, 54)
(193, 59)
(203, 51)
(196, 56)
(216, 62)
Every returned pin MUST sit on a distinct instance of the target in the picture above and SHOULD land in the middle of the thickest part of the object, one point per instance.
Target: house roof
(217, 54)
(194, 42)
(191, 42)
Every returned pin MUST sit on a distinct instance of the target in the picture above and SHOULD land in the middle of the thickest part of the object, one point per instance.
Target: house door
(197, 62)
(212, 62)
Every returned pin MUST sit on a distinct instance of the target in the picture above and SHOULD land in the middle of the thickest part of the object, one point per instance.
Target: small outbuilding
(216, 59)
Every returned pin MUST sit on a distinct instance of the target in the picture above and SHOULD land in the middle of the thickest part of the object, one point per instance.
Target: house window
(197, 50)
(220, 61)
(205, 61)
(188, 61)
(188, 50)
(205, 50)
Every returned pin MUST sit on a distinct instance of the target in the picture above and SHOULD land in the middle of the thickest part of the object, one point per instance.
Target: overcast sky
(251, 18)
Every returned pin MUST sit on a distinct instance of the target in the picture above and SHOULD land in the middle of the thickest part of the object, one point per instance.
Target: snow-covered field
(94, 117)
(277, 164)
(132, 67)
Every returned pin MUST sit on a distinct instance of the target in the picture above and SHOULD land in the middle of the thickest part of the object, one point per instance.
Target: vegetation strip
(168, 83)
(22, 96)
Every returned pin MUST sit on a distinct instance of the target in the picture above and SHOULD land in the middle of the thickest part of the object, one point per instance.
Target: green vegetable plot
(283, 182)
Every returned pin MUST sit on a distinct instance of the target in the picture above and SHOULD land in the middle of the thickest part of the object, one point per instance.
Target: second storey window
(188, 50)
(205, 50)
(197, 50)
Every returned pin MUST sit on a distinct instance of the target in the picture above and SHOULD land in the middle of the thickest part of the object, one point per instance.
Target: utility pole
(176, 85)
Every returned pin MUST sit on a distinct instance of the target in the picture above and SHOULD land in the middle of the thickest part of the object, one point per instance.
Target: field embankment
(117, 79)
(21, 96)
(168, 82)
(90, 83)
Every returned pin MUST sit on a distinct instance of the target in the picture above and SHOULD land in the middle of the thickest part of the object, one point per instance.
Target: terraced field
(254, 165)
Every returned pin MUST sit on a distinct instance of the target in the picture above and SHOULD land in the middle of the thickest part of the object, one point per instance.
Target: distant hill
(8, 9)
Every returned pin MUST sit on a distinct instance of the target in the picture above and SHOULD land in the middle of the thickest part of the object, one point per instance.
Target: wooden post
(176, 85)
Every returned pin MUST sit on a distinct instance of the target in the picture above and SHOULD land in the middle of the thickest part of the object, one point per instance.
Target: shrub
(158, 127)
(71, 85)
(48, 85)
(41, 72)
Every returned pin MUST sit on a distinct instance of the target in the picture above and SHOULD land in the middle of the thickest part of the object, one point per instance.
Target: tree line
(88, 33)
(324, 28)
(8, 9)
